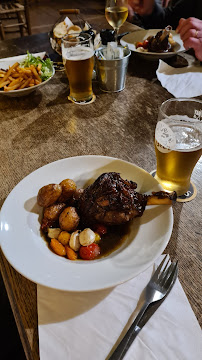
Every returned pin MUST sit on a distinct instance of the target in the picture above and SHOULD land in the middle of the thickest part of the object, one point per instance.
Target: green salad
(46, 65)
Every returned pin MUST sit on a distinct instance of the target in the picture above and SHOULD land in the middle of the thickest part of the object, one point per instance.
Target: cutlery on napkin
(181, 82)
(157, 289)
(89, 325)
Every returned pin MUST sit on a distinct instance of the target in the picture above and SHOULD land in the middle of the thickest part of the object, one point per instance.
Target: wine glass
(116, 13)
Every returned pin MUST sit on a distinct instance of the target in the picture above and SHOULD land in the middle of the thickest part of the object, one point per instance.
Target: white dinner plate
(141, 35)
(6, 62)
(28, 253)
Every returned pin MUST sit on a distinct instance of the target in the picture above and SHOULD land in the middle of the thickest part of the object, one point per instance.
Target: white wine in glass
(116, 13)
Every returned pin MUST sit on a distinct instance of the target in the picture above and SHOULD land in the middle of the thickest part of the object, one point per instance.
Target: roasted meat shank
(160, 42)
(111, 200)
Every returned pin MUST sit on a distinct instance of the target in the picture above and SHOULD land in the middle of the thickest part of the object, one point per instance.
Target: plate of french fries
(21, 75)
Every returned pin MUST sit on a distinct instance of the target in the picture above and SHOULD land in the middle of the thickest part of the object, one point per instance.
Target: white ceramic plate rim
(6, 62)
(140, 35)
(28, 253)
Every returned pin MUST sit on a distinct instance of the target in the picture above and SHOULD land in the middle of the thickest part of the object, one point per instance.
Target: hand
(190, 31)
(130, 11)
(141, 7)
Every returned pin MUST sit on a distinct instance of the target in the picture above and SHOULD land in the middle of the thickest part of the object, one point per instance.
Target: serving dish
(6, 62)
(141, 35)
(28, 253)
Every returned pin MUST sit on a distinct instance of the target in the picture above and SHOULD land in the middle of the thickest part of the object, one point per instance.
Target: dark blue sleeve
(161, 17)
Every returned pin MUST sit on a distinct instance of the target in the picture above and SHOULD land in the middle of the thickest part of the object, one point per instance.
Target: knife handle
(129, 337)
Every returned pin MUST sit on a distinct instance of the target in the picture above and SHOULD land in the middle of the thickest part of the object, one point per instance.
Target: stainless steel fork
(160, 284)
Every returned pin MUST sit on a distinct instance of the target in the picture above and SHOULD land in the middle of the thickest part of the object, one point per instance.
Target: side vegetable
(44, 65)
(61, 222)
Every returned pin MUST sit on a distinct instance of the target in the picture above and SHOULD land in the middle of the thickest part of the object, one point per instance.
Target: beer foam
(165, 136)
(182, 135)
(77, 53)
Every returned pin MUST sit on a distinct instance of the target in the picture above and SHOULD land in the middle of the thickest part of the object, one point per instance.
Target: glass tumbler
(78, 59)
(178, 142)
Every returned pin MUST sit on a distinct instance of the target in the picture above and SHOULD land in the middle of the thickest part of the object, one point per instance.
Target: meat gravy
(114, 238)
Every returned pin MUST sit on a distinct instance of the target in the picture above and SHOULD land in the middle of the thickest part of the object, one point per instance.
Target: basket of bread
(65, 26)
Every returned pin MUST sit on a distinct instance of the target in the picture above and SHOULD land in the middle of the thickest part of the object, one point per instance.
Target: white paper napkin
(181, 82)
(75, 326)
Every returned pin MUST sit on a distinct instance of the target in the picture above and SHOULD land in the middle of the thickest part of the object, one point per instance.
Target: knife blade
(135, 331)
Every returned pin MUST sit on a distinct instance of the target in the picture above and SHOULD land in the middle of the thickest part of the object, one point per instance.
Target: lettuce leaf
(46, 68)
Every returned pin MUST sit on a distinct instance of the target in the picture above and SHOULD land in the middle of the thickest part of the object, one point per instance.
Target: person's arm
(190, 31)
(154, 16)
(157, 19)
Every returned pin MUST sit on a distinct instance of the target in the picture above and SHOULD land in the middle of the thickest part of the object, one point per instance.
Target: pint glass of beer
(78, 59)
(178, 142)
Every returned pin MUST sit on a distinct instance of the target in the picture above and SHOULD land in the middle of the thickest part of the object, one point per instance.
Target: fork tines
(164, 273)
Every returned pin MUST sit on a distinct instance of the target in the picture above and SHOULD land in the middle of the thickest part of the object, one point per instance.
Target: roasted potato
(69, 219)
(68, 189)
(64, 237)
(49, 194)
(53, 212)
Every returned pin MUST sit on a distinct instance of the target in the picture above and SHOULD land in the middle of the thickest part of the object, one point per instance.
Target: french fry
(25, 77)
(25, 83)
(14, 87)
(9, 72)
(2, 71)
(4, 84)
(16, 75)
(27, 71)
(14, 82)
(35, 73)
(39, 67)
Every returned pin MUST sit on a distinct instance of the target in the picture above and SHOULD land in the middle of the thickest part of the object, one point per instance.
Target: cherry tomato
(100, 229)
(139, 44)
(145, 44)
(89, 252)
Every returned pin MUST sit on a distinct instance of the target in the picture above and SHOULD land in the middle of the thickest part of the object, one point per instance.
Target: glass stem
(116, 30)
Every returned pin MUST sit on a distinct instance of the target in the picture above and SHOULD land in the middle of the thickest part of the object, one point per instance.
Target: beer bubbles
(78, 59)
(178, 143)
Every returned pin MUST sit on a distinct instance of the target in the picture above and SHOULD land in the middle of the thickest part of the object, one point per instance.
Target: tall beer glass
(178, 143)
(78, 59)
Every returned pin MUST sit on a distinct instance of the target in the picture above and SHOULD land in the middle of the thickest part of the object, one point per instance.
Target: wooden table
(45, 127)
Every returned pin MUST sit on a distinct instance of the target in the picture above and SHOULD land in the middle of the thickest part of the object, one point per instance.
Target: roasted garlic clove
(87, 237)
